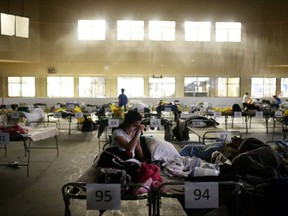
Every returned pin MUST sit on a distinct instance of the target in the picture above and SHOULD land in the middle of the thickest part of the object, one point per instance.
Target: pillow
(161, 149)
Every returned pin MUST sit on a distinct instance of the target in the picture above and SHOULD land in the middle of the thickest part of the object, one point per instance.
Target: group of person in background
(276, 101)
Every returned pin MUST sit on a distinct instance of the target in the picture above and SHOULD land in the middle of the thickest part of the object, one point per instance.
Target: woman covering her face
(126, 136)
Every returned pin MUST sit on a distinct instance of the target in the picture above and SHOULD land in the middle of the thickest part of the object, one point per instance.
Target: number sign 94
(201, 195)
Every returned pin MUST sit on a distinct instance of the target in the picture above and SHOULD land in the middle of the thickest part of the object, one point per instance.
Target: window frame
(94, 85)
(63, 87)
(197, 93)
(22, 86)
(163, 87)
(194, 31)
(132, 85)
(162, 30)
(131, 30)
(91, 30)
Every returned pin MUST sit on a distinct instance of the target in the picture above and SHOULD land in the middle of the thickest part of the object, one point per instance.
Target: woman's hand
(140, 128)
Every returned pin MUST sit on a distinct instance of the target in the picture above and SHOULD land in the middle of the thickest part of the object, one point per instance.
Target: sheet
(37, 134)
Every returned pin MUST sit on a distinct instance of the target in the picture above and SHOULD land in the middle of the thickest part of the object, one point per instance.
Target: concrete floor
(40, 193)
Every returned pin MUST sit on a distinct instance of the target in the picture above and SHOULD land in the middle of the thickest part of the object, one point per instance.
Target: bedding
(161, 149)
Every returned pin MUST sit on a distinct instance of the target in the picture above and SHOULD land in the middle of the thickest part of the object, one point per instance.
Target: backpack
(113, 176)
(115, 158)
(89, 125)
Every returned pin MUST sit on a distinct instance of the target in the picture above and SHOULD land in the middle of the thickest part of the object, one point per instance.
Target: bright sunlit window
(162, 30)
(134, 86)
(162, 87)
(21, 86)
(22, 27)
(12, 25)
(284, 87)
(197, 31)
(263, 87)
(91, 87)
(8, 24)
(60, 86)
(130, 30)
(196, 86)
(227, 87)
(91, 29)
(228, 32)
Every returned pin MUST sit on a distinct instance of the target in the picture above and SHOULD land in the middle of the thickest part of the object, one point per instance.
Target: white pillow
(161, 149)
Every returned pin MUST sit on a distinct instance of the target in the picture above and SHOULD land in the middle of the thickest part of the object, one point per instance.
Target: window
(263, 87)
(7, 24)
(91, 29)
(22, 27)
(60, 86)
(162, 87)
(91, 87)
(227, 87)
(228, 31)
(196, 86)
(12, 25)
(284, 87)
(162, 30)
(130, 30)
(134, 86)
(21, 86)
(197, 31)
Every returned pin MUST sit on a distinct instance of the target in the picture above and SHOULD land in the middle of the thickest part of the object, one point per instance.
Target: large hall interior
(203, 75)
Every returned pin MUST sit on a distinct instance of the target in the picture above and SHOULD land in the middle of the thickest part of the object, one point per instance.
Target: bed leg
(67, 209)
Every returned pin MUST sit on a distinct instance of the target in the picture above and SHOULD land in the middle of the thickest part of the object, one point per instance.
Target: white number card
(4, 138)
(167, 109)
(155, 122)
(198, 123)
(278, 114)
(70, 106)
(15, 115)
(78, 114)
(224, 135)
(201, 195)
(107, 110)
(237, 114)
(259, 114)
(57, 106)
(113, 123)
(57, 115)
(186, 115)
(103, 196)
(217, 114)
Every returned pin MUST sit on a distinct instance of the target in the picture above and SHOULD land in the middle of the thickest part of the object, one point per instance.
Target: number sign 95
(103, 196)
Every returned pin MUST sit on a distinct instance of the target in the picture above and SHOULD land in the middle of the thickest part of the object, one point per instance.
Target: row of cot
(257, 176)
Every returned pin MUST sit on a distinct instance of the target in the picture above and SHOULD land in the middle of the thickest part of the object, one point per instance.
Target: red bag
(149, 171)
(14, 132)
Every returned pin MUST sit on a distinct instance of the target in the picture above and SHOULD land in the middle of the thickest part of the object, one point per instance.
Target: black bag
(236, 108)
(113, 176)
(89, 125)
(115, 158)
(201, 121)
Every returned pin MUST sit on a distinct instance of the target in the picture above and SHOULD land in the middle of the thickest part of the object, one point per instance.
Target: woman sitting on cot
(127, 138)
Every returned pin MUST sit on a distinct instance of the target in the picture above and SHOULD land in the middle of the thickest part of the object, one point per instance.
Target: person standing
(122, 99)
(245, 100)
(276, 102)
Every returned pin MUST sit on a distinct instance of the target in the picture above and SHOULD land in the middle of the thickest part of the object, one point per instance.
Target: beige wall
(53, 42)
